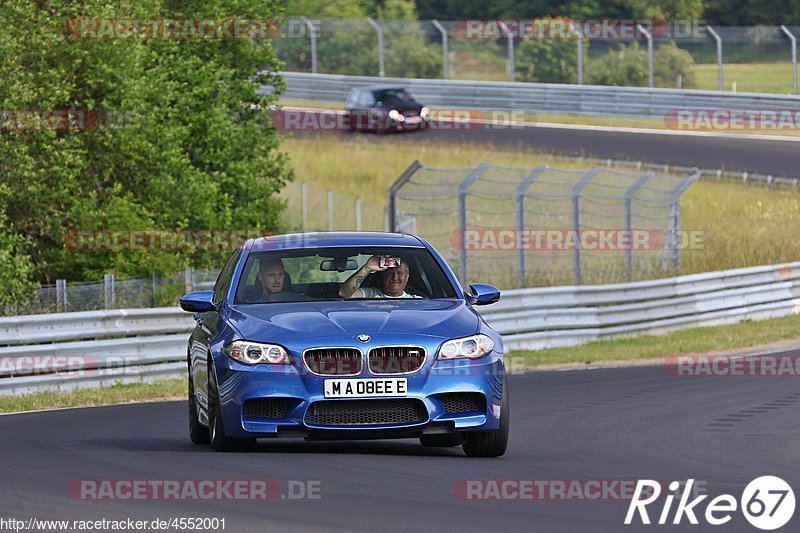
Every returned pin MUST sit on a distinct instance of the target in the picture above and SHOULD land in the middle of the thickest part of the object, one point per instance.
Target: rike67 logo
(767, 503)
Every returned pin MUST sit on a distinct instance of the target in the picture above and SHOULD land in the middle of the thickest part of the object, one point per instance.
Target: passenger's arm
(351, 288)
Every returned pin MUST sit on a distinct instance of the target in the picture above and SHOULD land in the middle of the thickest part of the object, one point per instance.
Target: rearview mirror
(483, 294)
(338, 265)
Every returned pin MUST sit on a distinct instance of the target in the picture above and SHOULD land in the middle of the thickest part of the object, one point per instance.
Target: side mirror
(198, 302)
(483, 294)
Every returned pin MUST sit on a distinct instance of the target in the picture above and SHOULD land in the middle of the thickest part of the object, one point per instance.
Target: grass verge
(114, 394)
(689, 341)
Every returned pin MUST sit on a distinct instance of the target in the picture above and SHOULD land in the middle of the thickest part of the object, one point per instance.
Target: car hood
(290, 323)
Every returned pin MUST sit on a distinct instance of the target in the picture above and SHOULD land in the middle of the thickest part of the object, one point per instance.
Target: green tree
(187, 148)
(548, 61)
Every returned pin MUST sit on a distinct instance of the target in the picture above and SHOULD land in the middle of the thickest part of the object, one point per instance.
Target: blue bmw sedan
(345, 335)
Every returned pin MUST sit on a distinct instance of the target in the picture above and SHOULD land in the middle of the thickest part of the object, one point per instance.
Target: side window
(352, 98)
(221, 286)
(365, 99)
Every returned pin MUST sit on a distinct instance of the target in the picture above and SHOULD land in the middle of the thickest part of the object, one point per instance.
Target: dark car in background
(385, 108)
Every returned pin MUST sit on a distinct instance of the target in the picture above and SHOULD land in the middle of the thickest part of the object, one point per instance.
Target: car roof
(312, 240)
(381, 87)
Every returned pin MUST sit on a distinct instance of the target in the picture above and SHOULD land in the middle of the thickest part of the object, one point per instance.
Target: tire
(491, 443)
(216, 429)
(445, 440)
(197, 432)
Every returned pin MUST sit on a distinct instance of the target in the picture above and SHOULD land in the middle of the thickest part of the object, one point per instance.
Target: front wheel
(491, 443)
(197, 432)
(216, 430)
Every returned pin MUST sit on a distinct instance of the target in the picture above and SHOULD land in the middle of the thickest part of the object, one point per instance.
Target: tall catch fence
(680, 54)
(523, 227)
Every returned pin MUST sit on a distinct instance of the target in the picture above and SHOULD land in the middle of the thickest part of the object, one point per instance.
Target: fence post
(629, 221)
(649, 38)
(330, 210)
(512, 76)
(61, 295)
(463, 187)
(445, 59)
(358, 214)
(576, 221)
(109, 295)
(579, 35)
(792, 38)
(188, 279)
(379, 31)
(391, 204)
(522, 188)
(312, 32)
(673, 240)
(304, 204)
(718, 39)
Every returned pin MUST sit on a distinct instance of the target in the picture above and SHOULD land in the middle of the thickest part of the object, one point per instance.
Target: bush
(16, 270)
(548, 61)
(627, 66)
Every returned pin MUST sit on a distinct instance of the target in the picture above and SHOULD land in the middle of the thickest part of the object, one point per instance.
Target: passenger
(393, 281)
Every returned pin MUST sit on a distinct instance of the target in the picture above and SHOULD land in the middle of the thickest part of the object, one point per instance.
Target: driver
(271, 276)
(393, 281)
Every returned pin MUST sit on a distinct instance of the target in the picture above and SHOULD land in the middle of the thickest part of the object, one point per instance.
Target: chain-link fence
(112, 293)
(683, 54)
(521, 227)
(310, 207)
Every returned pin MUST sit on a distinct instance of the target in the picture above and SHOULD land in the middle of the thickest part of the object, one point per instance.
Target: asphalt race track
(609, 424)
(775, 157)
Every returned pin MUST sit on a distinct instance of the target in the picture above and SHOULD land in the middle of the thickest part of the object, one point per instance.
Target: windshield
(390, 97)
(319, 275)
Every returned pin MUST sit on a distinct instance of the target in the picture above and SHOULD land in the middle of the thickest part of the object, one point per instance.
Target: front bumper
(299, 390)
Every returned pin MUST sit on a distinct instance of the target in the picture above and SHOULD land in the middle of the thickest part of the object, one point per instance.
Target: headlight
(470, 347)
(394, 114)
(253, 353)
(425, 112)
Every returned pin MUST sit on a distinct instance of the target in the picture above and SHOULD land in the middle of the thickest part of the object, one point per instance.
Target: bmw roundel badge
(363, 337)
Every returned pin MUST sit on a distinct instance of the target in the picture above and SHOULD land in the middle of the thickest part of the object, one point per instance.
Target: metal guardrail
(131, 345)
(540, 97)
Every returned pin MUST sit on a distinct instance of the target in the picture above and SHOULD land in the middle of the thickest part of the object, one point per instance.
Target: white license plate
(413, 120)
(363, 388)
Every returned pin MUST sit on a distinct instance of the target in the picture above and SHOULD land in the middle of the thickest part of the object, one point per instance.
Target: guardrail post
(522, 188)
(649, 38)
(358, 214)
(512, 75)
(579, 35)
(379, 31)
(792, 38)
(576, 220)
(61, 295)
(629, 221)
(391, 204)
(718, 39)
(445, 59)
(330, 210)
(463, 187)
(109, 294)
(304, 204)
